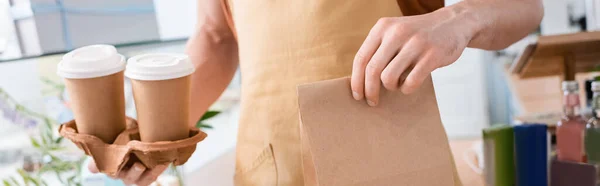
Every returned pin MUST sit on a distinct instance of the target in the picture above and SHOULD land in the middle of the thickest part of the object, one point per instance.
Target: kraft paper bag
(399, 142)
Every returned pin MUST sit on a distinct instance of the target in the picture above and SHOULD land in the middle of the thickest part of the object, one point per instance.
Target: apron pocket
(262, 171)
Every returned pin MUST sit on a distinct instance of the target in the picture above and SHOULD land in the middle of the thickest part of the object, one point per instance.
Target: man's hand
(401, 52)
(137, 174)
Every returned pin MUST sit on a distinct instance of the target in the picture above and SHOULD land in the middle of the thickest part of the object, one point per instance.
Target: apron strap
(408, 8)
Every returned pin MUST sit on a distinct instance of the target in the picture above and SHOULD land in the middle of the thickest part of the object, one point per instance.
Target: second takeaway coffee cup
(94, 80)
(161, 89)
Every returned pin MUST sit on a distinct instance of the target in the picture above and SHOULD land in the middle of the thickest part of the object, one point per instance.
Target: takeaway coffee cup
(161, 89)
(94, 80)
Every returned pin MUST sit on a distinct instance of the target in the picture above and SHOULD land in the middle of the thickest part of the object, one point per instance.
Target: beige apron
(283, 44)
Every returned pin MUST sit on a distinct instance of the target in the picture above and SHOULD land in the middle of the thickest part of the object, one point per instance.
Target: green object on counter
(592, 145)
(498, 156)
(592, 131)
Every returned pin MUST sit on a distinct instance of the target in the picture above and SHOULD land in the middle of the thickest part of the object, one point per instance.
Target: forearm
(215, 58)
(494, 24)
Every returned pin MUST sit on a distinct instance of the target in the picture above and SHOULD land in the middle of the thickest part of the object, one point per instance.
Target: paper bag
(399, 142)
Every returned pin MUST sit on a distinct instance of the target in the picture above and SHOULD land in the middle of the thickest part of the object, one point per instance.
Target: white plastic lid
(158, 66)
(90, 62)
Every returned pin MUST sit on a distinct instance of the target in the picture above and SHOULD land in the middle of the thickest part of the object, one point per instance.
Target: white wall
(461, 94)
(176, 19)
(592, 11)
(556, 19)
(9, 45)
(20, 79)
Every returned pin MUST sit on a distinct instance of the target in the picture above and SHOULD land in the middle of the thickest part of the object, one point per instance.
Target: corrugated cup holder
(128, 149)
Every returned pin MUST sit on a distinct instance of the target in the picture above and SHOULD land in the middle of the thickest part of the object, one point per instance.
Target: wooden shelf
(563, 55)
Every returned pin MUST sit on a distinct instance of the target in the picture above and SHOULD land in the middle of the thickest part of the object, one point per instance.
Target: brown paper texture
(128, 149)
(162, 108)
(399, 142)
(98, 105)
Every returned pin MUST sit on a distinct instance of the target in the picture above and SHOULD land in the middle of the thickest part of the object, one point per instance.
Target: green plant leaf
(46, 80)
(51, 83)
(56, 148)
(57, 174)
(14, 180)
(34, 181)
(65, 166)
(209, 114)
(71, 180)
(19, 107)
(44, 141)
(44, 168)
(5, 182)
(22, 172)
(35, 143)
(58, 140)
(23, 176)
(48, 123)
(54, 158)
(202, 125)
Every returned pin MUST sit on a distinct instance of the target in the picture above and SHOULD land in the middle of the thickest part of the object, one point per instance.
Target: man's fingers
(133, 174)
(378, 62)
(416, 77)
(363, 56)
(137, 174)
(391, 75)
(150, 176)
(92, 167)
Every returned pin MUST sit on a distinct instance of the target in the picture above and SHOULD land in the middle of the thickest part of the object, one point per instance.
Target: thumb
(92, 167)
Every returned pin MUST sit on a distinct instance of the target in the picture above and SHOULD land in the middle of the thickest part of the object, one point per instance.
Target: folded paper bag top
(399, 142)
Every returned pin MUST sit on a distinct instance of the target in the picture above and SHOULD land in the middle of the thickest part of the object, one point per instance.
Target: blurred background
(476, 92)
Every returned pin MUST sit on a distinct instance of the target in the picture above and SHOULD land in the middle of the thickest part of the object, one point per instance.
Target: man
(281, 44)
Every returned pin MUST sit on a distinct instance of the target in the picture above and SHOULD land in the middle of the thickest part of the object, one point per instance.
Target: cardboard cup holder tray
(128, 149)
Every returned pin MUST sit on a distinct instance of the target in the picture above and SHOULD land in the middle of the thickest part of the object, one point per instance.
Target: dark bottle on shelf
(592, 131)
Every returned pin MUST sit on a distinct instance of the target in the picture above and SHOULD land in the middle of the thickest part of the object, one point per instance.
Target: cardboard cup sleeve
(128, 149)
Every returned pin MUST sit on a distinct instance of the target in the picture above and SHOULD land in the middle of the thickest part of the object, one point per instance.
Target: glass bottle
(592, 131)
(570, 129)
